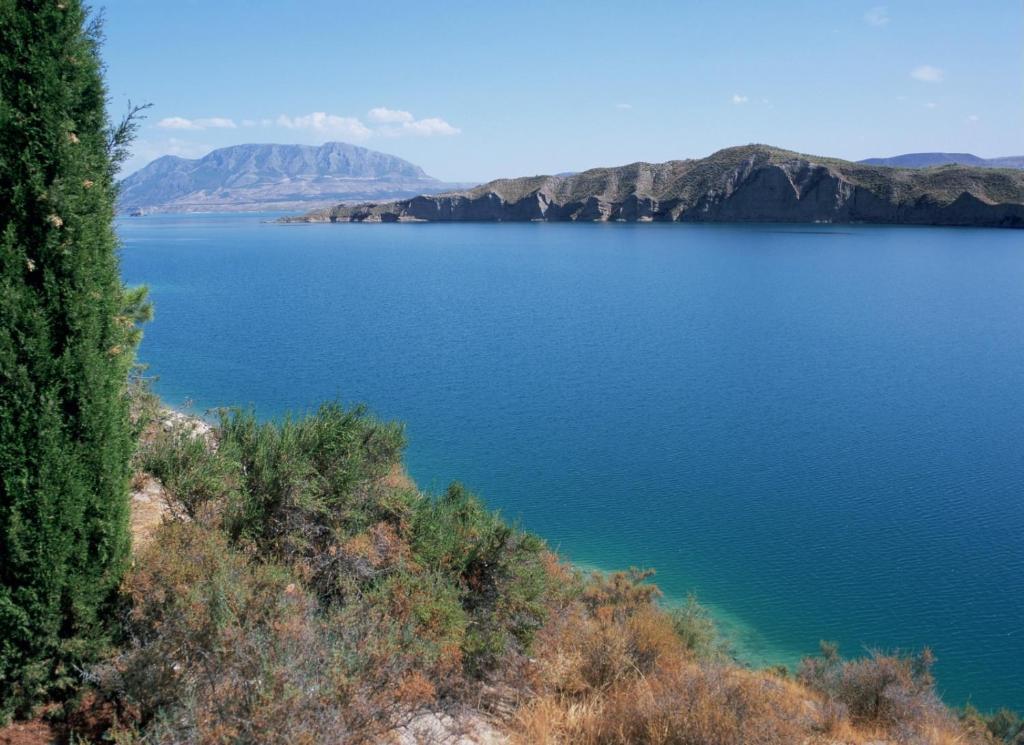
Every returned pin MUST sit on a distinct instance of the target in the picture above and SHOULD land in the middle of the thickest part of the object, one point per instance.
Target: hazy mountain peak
(929, 160)
(268, 176)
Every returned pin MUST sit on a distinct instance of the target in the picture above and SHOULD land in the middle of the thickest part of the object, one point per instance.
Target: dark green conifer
(67, 332)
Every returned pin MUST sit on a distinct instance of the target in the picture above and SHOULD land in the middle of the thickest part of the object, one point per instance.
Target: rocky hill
(929, 160)
(753, 183)
(251, 177)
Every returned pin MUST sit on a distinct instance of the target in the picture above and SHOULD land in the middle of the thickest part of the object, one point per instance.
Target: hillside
(929, 160)
(250, 177)
(288, 578)
(753, 183)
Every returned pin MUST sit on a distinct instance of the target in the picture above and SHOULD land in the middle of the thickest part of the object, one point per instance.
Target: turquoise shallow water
(816, 429)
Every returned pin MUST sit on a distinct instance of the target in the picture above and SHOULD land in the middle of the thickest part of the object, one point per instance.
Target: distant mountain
(253, 177)
(754, 183)
(928, 160)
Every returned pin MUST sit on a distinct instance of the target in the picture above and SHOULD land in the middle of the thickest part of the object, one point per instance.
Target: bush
(892, 691)
(1003, 726)
(309, 483)
(224, 649)
(695, 627)
(501, 573)
(195, 475)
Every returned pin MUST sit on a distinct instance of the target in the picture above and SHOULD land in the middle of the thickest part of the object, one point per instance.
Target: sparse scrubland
(299, 589)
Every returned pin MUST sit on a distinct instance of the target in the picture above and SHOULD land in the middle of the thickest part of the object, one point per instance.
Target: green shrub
(500, 571)
(194, 474)
(697, 630)
(308, 482)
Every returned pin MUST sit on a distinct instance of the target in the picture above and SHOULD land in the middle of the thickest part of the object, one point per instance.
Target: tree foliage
(67, 332)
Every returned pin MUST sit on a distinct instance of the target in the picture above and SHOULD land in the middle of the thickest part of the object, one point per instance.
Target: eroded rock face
(751, 184)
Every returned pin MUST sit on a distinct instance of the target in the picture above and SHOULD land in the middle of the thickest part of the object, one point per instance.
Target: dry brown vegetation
(300, 589)
(613, 668)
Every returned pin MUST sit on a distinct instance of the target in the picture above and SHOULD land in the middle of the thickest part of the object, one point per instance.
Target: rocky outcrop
(151, 504)
(745, 184)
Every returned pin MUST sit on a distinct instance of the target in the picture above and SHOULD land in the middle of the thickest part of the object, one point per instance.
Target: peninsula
(752, 183)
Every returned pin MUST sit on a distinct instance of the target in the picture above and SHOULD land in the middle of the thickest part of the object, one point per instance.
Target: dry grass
(679, 704)
(611, 668)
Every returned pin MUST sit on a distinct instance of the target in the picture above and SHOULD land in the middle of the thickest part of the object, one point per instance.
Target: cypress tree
(67, 335)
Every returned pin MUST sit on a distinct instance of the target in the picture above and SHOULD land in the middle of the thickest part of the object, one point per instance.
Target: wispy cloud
(927, 74)
(623, 106)
(324, 123)
(738, 99)
(399, 123)
(422, 128)
(877, 16)
(180, 122)
(176, 122)
(931, 105)
(383, 115)
(974, 118)
(384, 122)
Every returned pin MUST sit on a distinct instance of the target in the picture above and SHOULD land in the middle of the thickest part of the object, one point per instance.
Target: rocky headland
(753, 183)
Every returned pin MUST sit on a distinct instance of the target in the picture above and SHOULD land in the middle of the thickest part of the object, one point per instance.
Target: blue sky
(477, 90)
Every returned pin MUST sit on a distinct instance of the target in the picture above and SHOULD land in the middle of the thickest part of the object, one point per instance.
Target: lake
(819, 430)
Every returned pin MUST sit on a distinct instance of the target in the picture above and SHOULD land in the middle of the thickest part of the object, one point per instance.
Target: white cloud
(974, 118)
(428, 128)
(383, 122)
(176, 122)
(382, 115)
(927, 74)
(325, 123)
(877, 16)
(931, 105)
(216, 122)
(623, 106)
(738, 99)
(399, 123)
(180, 122)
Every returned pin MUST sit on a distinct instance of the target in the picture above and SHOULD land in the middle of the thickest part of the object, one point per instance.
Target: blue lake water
(819, 430)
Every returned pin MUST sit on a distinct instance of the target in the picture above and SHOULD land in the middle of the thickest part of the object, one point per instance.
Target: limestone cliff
(754, 183)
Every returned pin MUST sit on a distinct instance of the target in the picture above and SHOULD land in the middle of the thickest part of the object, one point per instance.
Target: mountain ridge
(751, 183)
(269, 175)
(930, 160)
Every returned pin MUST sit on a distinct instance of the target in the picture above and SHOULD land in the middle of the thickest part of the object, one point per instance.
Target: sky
(475, 90)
